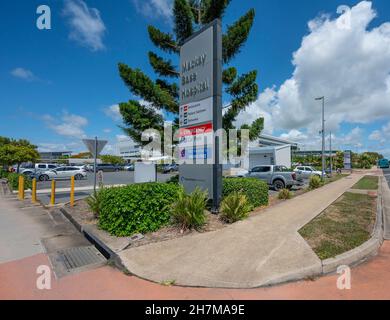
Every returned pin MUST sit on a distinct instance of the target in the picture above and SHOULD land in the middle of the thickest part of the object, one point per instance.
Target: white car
(305, 172)
(62, 173)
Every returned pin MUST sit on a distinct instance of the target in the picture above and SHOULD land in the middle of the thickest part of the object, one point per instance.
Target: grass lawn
(367, 183)
(343, 226)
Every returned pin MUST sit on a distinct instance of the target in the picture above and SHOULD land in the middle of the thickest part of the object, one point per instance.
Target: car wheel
(78, 177)
(278, 185)
(44, 177)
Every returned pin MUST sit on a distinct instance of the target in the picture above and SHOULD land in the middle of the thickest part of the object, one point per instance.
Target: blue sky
(60, 85)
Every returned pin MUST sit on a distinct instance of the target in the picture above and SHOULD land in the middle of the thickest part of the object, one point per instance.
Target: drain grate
(74, 258)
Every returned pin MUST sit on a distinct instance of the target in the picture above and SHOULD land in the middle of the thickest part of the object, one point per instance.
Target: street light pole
(323, 136)
(331, 154)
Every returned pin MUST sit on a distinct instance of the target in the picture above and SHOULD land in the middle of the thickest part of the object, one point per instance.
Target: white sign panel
(144, 172)
(196, 112)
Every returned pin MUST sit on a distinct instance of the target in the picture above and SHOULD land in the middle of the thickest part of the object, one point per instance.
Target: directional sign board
(348, 160)
(90, 144)
(200, 113)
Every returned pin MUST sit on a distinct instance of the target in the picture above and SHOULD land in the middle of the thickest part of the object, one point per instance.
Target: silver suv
(62, 173)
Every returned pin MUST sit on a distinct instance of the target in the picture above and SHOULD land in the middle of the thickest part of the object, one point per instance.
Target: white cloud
(350, 67)
(87, 27)
(23, 74)
(71, 125)
(122, 138)
(381, 135)
(113, 112)
(154, 8)
(107, 130)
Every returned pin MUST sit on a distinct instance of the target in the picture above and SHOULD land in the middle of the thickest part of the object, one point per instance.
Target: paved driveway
(261, 250)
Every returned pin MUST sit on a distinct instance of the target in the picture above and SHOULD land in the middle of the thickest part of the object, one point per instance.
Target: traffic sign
(95, 146)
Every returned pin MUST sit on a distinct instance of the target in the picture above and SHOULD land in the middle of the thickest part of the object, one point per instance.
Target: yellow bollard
(72, 191)
(21, 187)
(53, 193)
(34, 191)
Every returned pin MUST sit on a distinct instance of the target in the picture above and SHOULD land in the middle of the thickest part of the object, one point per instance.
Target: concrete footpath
(262, 250)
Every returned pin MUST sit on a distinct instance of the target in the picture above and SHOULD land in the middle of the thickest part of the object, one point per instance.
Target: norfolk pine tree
(163, 93)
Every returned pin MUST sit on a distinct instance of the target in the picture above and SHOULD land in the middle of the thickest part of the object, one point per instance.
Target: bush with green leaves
(94, 202)
(188, 211)
(255, 190)
(174, 179)
(235, 207)
(136, 208)
(315, 182)
(284, 194)
(13, 180)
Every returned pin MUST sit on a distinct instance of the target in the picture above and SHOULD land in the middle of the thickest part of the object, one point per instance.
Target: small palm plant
(284, 194)
(94, 202)
(235, 207)
(189, 210)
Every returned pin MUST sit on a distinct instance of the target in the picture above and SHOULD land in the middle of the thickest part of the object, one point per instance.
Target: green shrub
(174, 179)
(235, 207)
(136, 208)
(315, 182)
(13, 181)
(255, 190)
(188, 211)
(94, 202)
(284, 194)
(3, 174)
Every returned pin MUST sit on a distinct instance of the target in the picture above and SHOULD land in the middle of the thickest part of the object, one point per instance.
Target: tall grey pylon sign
(200, 113)
(95, 146)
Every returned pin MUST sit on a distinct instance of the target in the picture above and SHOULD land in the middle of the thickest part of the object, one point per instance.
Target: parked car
(305, 172)
(279, 177)
(168, 168)
(107, 167)
(37, 167)
(129, 167)
(61, 173)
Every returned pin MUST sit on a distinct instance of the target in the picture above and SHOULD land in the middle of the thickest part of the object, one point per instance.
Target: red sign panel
(193, 131)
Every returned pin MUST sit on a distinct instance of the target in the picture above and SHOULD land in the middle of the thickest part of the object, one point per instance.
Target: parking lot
(85, 187)
(109, 178)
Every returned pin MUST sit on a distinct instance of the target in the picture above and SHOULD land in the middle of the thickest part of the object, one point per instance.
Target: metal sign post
(201, 111)
(95, 146)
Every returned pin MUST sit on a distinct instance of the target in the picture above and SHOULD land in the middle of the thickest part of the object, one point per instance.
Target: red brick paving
(370, 280)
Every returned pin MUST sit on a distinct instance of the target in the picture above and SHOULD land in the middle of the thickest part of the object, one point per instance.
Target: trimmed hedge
(255, 190)
(136, 208)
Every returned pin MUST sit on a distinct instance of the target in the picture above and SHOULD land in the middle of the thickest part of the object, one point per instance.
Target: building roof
(268, 149)
(266, 139)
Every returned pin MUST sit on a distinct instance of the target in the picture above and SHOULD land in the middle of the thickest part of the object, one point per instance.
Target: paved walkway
(262, 250)
(370, 280)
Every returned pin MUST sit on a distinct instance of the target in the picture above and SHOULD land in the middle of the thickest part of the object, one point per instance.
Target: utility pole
(331, 154)
(323, 135)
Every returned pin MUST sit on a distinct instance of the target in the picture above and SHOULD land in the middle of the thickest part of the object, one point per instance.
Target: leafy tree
(11, 154)
(82, 155)
(162, 94)
(115, 160)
